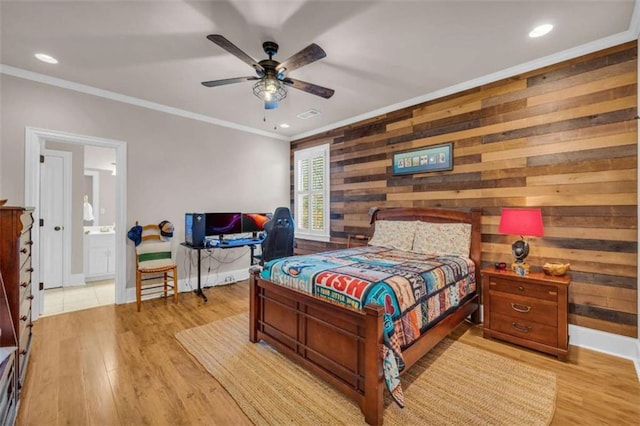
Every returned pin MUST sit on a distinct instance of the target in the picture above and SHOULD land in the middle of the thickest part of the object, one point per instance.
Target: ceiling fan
(271, 77)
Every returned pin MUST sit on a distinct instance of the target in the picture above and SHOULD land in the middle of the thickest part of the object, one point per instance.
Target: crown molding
(89, 90)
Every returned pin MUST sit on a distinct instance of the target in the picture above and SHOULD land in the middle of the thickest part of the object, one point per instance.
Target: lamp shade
(521, 222)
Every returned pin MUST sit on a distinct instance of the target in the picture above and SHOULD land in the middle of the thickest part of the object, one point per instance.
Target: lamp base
(520, 268)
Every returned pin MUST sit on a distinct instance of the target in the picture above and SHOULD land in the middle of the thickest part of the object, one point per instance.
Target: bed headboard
(439, 215)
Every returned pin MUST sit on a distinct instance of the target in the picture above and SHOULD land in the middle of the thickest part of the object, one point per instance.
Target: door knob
(57, 228)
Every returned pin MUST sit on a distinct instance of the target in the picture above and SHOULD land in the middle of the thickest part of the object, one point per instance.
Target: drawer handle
(30, 325)
(24, 318)
(24, 284)
(522, 328)
(30, 269)
(24, 250)
(520, 288)
(30, 297)
(29, 243)
(520, 308)
(23, 352)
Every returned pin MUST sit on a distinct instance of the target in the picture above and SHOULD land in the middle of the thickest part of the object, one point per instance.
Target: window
(311, 192)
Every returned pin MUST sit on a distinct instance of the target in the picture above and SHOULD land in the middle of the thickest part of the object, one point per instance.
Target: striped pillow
(154, 255)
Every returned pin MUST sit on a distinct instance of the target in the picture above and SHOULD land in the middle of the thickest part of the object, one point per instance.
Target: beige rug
(455, 384)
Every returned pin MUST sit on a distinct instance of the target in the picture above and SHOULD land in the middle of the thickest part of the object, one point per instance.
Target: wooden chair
(154, 257)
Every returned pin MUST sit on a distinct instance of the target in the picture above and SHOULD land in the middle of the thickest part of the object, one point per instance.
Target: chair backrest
(279, 241)
(153, 252)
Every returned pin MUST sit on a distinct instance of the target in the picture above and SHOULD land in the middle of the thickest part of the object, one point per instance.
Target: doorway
(34, 147)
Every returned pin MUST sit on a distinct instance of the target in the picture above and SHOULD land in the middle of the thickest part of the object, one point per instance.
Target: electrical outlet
(229, 279)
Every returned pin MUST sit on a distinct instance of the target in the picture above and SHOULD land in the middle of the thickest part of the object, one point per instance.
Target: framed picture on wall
(434, 158)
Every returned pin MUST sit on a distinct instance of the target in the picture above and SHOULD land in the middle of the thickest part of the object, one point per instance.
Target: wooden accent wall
(562, 138)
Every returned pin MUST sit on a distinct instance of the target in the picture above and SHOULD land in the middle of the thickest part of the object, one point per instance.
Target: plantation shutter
(311, 191)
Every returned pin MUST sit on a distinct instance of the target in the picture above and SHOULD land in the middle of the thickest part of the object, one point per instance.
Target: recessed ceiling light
(285, 126)
(540, 30)
(46, 58)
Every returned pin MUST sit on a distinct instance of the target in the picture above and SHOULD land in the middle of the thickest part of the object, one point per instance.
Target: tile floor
(75, 298)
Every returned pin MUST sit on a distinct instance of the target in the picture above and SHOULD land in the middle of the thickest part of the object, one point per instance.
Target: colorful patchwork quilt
(416, 290)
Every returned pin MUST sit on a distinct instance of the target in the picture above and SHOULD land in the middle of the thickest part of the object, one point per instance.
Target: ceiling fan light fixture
(271, 91)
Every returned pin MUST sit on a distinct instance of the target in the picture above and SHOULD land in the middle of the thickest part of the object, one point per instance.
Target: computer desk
(222, 244)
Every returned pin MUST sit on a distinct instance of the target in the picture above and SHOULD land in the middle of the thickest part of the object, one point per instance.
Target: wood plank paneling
(562, 138)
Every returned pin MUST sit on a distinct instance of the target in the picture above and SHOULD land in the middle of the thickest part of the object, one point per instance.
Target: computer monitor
(254, 222)
(223, 223)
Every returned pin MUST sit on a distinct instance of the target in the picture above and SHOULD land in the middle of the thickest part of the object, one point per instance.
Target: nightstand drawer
(529, 289)
(525, 308)
(524, 329)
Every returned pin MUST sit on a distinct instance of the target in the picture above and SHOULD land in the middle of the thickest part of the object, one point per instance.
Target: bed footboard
(338, 344)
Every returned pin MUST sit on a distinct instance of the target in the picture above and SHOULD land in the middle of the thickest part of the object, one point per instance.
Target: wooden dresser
(528, 310)
(16, 268)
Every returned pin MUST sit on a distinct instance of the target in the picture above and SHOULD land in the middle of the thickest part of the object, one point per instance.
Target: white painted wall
(175, 165)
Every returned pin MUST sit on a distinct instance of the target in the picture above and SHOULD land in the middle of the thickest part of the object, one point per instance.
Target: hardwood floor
(113, 366)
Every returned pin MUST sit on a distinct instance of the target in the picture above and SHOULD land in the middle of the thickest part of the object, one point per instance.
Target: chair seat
(159, 269)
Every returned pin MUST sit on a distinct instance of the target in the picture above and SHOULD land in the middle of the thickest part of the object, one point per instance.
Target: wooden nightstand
(528, 310)
(357, 240)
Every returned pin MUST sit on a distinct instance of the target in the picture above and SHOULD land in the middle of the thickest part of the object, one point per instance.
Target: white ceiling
(381, 55)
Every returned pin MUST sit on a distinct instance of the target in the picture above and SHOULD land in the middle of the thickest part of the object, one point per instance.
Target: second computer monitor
(254, 222)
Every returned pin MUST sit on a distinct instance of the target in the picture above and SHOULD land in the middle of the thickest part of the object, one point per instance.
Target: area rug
(454, 384)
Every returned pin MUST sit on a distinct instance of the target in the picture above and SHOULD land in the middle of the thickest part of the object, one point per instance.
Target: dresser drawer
(25, 277)
(24, 247)
(24, 286)
(528, 289)
(525, 308)
(524, 329)
(23, 359)
(25, 317)
(25, 340)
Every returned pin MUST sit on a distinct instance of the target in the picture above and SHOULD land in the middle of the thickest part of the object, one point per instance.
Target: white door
(53, 186)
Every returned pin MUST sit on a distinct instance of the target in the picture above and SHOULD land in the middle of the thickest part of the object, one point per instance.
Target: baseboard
(212, 280)
(75, 280)
(637, 360)
(186, 285)
(608, 343)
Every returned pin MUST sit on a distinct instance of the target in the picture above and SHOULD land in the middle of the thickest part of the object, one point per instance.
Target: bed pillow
(443, 238)
(398, 234)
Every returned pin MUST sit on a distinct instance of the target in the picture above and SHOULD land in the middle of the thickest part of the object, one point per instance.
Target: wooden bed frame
(340, 344)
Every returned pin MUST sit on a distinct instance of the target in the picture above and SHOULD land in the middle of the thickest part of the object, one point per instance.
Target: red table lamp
(521, 222)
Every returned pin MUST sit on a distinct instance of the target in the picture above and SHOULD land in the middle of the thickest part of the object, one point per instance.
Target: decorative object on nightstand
(529, 310)
(521, 222)
(556, 268)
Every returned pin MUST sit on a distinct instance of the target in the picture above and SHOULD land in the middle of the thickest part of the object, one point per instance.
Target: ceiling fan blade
(314, 89)
(235, 50)
(215, 83)
(309, 54)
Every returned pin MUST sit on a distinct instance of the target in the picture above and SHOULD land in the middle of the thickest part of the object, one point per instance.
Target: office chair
(154, 257)
(279, 241)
